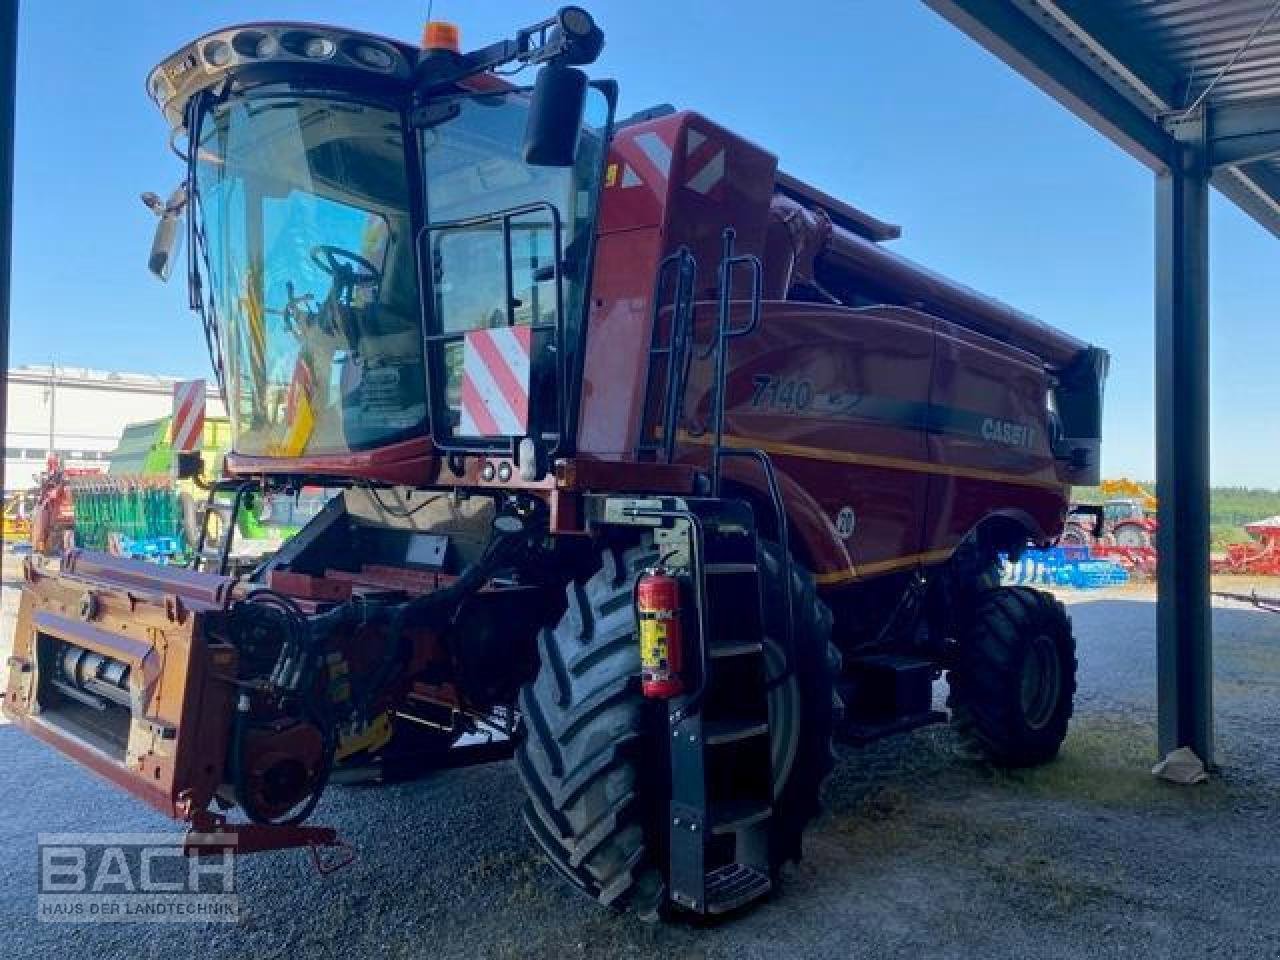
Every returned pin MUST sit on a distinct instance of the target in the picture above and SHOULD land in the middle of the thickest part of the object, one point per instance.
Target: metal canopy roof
(1171, 81)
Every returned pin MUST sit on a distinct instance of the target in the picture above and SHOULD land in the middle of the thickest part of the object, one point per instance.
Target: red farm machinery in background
(1259, 557)
(1122, 528)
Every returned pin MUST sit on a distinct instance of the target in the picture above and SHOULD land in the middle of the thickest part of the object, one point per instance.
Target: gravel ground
(923, 852)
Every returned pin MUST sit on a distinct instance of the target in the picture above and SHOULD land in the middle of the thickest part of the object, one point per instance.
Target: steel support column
(1185, 661)
(8, 84)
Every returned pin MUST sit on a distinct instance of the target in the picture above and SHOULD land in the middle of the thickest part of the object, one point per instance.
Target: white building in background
(78, 414)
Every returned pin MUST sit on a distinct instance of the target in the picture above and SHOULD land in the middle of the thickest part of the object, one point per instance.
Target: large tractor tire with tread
(593, 758)
(1014, 677)
(582, 758)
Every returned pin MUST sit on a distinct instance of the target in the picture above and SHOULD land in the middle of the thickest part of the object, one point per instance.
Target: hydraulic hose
(305, 639)
(240, 778)
(435, 610)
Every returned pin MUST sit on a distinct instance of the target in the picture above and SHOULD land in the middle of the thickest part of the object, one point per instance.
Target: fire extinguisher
(661, 634)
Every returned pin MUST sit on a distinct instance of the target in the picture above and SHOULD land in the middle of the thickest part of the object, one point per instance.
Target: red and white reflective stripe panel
(188, 415)
(495, 382)
(705, 163)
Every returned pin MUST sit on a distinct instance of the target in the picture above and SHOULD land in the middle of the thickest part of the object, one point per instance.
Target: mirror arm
(434, 73)
(544, 42)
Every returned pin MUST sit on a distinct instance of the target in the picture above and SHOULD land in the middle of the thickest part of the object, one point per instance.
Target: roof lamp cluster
(200, 64)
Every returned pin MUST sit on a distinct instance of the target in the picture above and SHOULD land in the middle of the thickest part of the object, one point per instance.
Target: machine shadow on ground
(923, 850)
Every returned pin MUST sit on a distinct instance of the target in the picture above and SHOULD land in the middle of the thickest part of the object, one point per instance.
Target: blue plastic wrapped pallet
(1063, 567)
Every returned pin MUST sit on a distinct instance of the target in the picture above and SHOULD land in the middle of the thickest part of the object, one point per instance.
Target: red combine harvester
(655, 459)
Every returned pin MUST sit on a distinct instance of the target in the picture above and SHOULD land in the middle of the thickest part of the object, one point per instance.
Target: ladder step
(733, 885)
(730, 731)
(721, 569)
(737, 815)
(721, 650)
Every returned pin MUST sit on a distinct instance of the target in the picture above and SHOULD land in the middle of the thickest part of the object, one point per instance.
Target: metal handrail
(238, 489)
(724, 333)
(676, 348)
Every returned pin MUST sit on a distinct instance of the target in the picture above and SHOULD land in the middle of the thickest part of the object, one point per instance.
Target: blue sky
(876, 101)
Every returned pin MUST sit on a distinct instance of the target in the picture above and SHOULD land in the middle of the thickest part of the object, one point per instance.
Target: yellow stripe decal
(881, 566)
(873, 460)
(885, 463)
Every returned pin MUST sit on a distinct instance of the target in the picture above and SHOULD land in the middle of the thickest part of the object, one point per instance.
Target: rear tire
(1014, 678)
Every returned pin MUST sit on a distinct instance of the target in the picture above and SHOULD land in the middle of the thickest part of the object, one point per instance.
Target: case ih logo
(1008, 433)
(134, 878)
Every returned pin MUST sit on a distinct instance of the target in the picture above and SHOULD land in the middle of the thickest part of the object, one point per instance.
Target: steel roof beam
(1243, 133)
(1096, 28)
(1075, 51)
(1254, 192)
(1026, 46)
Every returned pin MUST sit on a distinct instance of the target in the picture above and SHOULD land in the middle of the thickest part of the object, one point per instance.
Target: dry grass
(1107, 760)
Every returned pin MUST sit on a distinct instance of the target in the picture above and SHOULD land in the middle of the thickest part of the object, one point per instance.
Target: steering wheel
(345, 267)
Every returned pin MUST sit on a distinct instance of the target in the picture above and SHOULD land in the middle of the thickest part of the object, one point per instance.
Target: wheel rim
(1073, 536)
(1130, 535)
(784, 716)
(1041, 682)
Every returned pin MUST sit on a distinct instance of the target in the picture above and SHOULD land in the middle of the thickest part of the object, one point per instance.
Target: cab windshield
(305, 240)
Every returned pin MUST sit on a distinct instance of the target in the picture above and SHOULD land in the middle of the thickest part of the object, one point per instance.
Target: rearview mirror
(555, 117)
(168, 238)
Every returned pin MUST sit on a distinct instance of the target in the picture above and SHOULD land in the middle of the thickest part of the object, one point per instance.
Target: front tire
(593, 759)
(1014, 677)
(590, 785)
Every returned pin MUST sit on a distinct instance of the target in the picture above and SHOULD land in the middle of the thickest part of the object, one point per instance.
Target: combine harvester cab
(653, 464)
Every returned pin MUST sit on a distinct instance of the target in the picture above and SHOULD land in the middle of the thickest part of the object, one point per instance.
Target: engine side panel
(990, 440)
(838, 398)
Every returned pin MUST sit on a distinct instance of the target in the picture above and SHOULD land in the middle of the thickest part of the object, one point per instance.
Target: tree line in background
(1230, 508)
